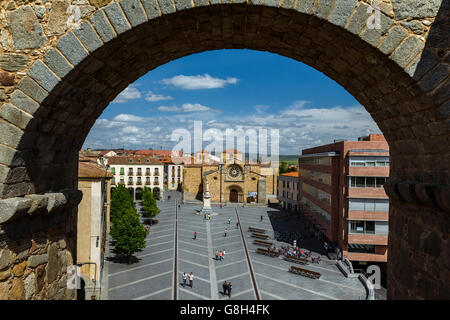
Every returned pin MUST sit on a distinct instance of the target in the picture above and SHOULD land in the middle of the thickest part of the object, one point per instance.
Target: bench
(295, 259)
(260, 236)
(251, 229)
(267, 252)
(262, 243)
(304, 272)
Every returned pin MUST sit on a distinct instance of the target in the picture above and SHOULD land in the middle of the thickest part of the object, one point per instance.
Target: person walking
(220, 255)
(261, 218)
(237, 225)
(217, 254)
(229, 221)
(224, 287)
(184, 279)
(223, 254)
(195, 235)
(229, 287)
(191, 280)
(225, 234)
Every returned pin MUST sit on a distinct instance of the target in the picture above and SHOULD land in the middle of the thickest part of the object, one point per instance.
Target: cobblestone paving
(151, 278)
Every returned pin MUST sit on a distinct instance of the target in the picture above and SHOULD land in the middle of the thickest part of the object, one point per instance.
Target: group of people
(227, 288)
(191, 279)
(295, 252)
(220, 255)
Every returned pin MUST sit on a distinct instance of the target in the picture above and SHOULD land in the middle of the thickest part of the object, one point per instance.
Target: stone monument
(206, 199)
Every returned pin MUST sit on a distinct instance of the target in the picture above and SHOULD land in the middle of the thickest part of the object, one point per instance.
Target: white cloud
(152, 97)
(186, 107)
(128, 118)
(198, 82)
(130, 93)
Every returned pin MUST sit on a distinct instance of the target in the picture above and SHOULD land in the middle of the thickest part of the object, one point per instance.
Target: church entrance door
(234, 195)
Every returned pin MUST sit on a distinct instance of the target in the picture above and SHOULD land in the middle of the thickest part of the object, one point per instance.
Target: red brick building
(342, 194)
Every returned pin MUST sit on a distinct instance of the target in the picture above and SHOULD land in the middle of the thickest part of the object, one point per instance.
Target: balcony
(147, 173)
(147, 182)
(130, 173)
(139, 182)
(139, 173)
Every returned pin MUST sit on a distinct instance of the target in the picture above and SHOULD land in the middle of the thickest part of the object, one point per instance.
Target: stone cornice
(431, 195)
(36, 204)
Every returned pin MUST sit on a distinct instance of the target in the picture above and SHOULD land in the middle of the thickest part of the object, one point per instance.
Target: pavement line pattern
(199, 254)
(159, 243)
(252, 275)
(272, 295)
(231, 263)
(194, 294)
(191, 262)
(165, 230)
(151, 294)
(238, 294)
(296, 286)
(140, 267)
(191, 244)
(327, 281)
(233, 277)
(212, 267)
(167, 235)
(153, 253)
(141, 280)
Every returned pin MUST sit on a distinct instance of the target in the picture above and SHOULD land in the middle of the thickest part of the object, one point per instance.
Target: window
(367, 182)
(317, 193)
(369, 161)
(361, 248)
(122, 171)
(377, 205)
(113, 170)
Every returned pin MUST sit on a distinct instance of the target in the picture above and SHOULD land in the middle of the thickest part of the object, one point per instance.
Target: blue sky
(232, 89)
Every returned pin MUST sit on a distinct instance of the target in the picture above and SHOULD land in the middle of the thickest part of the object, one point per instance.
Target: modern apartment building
(342, 194)
(135, 172)
(288, 191)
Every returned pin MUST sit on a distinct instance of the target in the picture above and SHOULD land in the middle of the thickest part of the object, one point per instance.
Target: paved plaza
(170, 246)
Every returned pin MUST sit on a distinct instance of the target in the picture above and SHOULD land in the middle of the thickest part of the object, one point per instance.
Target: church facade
(231, 181)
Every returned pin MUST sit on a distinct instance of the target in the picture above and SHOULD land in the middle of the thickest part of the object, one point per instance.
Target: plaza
(171, 248)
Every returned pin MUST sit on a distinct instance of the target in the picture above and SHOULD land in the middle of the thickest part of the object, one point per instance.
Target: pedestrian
(223, 254)
(220, 255)
(229, 287)
(237, 225)
(184, 279)
(195, 235)
(217, 254)
(191, 280)
(225, 232)
(261, 218)
(224, 287)
(229, 221)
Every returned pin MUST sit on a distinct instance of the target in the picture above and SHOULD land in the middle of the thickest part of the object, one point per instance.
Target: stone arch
(399, 76)
(235, 193)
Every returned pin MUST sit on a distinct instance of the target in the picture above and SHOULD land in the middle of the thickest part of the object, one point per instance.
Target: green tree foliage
(127, 231)
(120, 201)
(285, 168)
(149, 203)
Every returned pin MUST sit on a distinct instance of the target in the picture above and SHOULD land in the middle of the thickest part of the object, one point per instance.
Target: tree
(285, 168)
(128, 233)
(120, 201)
(149, 203)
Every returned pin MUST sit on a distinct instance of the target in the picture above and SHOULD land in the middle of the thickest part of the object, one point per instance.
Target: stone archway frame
(401, 78)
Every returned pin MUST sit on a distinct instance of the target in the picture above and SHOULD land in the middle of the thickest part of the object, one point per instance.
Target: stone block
(26, 31)
(433, 78)
(55, 201)
(5, 275)
(53, 265)
(15, 115)
(151, 8)
(102, 26)
(393, 39)
(29, 285)
(36, 260)
(17, 290)
(416, 9)
(58, 17)
(57, 63)
(87, 35)
(40, 73)
(7, 79)
(272, 3)
(5, 258)
(72, 48)
(23, 102)
(359, 19)
(13, 208)
(19, 269)
(40, 278)
(199, 3)
(341, 12)
(287, 4)
(407, 51)
(12, 62)
(32, 89)
(373, 36)
(323, 8)
(306, 6)
(117, 18)
(134, 12)
(40, 203)
(167, 6)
